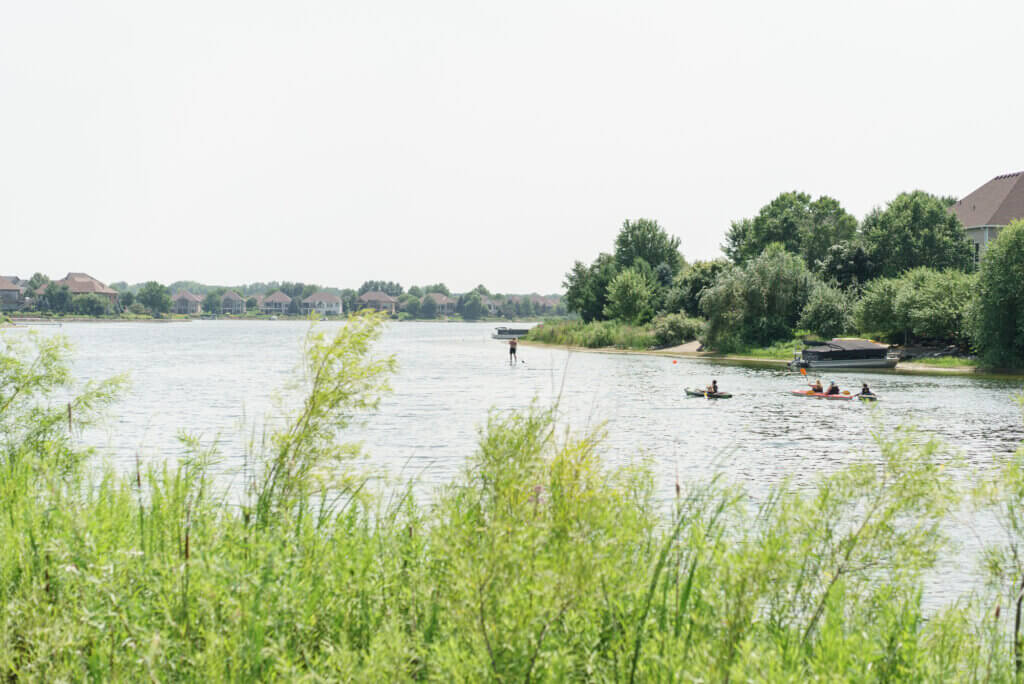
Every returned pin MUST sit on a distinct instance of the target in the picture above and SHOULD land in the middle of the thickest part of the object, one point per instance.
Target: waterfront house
(11, 294)
(232, 303)
(186, 303)
(445, 304)
(276, 304)
(83, 283)
(324, 303)
(379, 301)
(986, 210)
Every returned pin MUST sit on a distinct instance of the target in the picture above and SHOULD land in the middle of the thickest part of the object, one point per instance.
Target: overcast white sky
(470, 142)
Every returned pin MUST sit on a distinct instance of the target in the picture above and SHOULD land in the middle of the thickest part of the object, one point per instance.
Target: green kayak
(706, 394)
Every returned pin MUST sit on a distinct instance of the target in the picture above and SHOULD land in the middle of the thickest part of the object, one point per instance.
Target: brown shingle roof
(377, 297)
(995, 203)
(232, 296)
(6, 284)
(278, 298)
(440, 298)
(322, 297)
(83, 283)
(185, 294)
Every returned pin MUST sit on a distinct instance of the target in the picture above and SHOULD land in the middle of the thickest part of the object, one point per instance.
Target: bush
(673, 329)
(757, 303)
(921, 304)
(828, 311)
(997, 319)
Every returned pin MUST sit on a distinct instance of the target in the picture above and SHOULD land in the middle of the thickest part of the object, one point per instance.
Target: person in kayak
(816, 387)
(512, 351)
(865, 391)
(833, 388)
(712, 388)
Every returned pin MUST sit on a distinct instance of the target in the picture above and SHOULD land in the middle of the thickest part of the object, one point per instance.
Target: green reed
(540, 562)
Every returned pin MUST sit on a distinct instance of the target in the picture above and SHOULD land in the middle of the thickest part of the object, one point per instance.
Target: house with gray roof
(232, 303)
(989, 208)
(276, 304)
(324, 303)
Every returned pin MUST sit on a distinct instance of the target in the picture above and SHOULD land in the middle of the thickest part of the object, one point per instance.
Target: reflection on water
(213, 377)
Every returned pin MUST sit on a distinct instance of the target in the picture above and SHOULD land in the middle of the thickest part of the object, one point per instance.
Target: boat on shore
(845, 353)
(505, 333)
(706, 394)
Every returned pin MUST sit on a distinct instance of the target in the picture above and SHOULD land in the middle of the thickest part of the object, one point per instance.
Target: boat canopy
(847, 345)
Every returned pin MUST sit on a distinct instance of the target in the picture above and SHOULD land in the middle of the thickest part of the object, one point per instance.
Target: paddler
(712, 388)
(833, 388)
(865, 391)
(816, 387)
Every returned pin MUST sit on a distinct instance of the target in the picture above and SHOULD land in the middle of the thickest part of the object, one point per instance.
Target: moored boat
(506, 333)
(705, 393)
(845, 353)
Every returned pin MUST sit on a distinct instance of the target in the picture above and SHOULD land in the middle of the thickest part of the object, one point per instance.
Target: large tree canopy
(586, 287)
(802, 226)
(998, 324)
(154, 297)
(758, 303)
(916, 229)
(645, 239)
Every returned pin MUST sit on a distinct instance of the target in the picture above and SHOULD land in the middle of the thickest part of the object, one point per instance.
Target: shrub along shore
(539, 562)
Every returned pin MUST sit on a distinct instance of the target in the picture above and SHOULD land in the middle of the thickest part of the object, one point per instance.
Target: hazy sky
(472, 142)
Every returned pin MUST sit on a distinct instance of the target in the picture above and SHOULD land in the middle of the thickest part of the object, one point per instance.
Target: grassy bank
(539, 562)
(593, 335)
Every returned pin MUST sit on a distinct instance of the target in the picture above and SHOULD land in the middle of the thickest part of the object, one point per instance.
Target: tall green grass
(540, 562)
(595, 335)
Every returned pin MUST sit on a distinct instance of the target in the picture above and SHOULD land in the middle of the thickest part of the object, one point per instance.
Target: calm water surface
(217, 378)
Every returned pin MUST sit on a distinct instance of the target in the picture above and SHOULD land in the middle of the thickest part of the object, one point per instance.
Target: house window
(977, 253)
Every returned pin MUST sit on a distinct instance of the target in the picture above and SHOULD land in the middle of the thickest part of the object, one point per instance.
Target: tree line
(905, 273)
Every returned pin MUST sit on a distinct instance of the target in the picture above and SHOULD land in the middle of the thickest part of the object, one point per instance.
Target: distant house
(986, 210)
(83, 283)
(324, 303)
(445, 304)
(490, 306)
(232, 303)
(186, 303)
(276, 303)
(379, 301)
(11, 294)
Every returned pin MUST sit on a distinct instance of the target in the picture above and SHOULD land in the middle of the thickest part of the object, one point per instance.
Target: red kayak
(821, 395)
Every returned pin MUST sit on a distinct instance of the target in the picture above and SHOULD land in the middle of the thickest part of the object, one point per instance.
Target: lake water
(217, 379)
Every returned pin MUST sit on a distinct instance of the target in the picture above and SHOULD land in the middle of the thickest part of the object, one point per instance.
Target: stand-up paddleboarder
(512, 358)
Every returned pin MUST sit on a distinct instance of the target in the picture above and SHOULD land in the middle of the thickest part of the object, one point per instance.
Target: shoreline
(908, 368)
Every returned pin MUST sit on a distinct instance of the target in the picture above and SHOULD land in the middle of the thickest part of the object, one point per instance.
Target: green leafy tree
(416, 291)
(388, 287)
(57, 298)
(34, 283)
(412, 306)
(758, 303)
(916, 229)
(645, 239)
(428, 307)
(250, 304)
(629, 298)
(691, 282)
(154, 297)
(90, 305)
(437, 287)
(472, 307)
(935, 304)
(875, 311)
(828, 312)
(212, 303)
(847, 264)
(127, 298)
(586, 287)
(481, 290)
(998, 312)
(802, 226)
